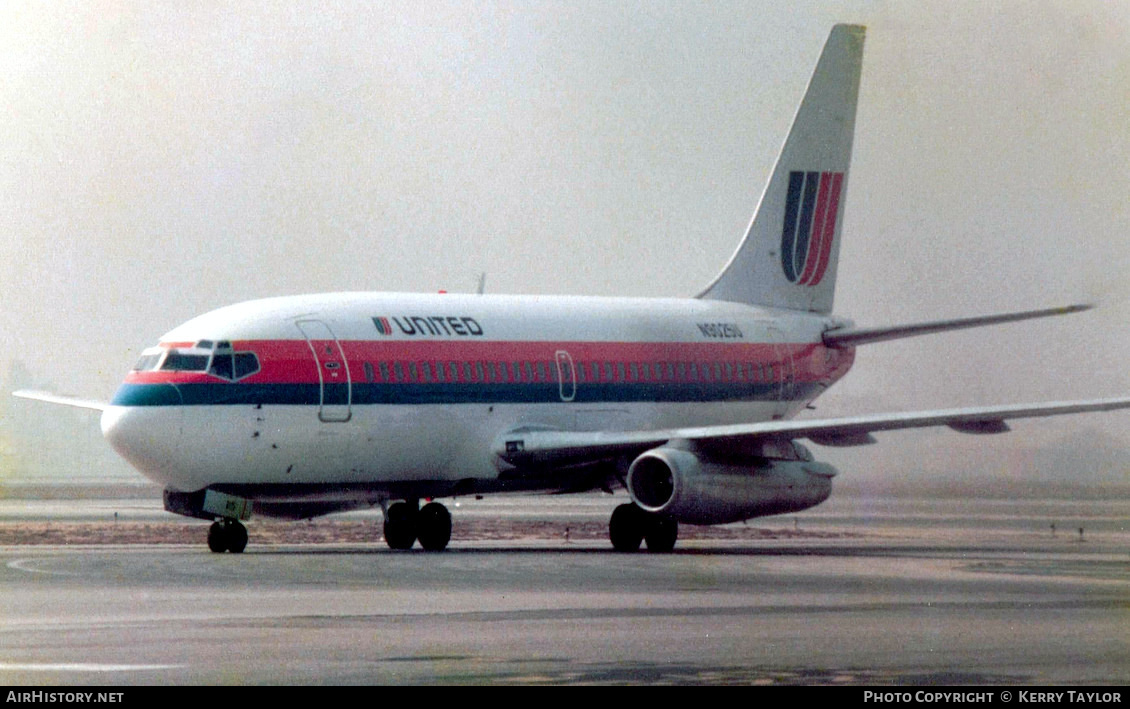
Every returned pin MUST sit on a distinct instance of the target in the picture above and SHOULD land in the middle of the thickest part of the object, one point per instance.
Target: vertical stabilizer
(788, 256)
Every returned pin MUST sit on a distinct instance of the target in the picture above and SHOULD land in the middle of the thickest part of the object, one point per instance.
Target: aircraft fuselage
(361, 393)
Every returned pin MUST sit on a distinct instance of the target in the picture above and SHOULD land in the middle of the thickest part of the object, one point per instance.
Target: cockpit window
(215, 358)
(230, 365)
(148, 360)
(222, 365)
(180, 361)
(246, 364)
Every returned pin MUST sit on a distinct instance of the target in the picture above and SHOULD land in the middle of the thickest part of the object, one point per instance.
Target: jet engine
(692, 488)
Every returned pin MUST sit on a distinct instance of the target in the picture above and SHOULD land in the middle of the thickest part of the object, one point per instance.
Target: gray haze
(160, 160)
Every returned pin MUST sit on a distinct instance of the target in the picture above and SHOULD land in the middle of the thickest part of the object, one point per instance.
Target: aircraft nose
(149, 437)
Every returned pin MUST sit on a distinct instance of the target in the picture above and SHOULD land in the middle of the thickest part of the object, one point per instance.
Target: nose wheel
(227, 535)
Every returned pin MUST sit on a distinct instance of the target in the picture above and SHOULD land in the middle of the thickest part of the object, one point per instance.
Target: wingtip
(50, 398)
(1078, 308)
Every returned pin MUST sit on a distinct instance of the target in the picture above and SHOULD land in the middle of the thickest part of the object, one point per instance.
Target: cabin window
(370, 375)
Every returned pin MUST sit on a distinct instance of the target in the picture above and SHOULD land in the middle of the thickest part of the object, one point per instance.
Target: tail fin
(788, 257)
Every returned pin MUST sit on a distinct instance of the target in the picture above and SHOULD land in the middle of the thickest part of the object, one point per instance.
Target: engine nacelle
(681, 485)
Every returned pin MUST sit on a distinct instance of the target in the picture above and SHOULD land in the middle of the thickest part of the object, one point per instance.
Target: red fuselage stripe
(291, 361)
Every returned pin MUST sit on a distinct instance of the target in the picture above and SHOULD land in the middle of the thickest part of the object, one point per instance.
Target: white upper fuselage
(370, 390)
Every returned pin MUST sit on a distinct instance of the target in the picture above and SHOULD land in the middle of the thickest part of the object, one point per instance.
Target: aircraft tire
(626, 528)
(217, 538)
(400, 526)
(434, 527)
(237, 537)
(661, 535)
(227, 535)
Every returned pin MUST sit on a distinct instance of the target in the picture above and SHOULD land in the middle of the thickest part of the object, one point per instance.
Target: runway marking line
(22, 565)
(78, 667)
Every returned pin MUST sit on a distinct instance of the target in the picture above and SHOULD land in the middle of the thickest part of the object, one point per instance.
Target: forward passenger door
(333, 372)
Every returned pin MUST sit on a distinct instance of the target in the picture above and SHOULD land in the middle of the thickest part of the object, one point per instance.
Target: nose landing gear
(227, 535)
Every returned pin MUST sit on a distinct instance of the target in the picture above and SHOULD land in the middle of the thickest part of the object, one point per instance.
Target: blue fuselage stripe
(363, 394)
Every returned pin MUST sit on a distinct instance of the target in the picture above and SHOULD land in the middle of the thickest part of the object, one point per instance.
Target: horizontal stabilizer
(852, 336)
(65, 400)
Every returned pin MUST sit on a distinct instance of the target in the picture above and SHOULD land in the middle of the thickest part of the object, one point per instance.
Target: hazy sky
(159, 160)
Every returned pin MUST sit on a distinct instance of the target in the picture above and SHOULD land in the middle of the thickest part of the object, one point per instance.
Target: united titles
(436, 325)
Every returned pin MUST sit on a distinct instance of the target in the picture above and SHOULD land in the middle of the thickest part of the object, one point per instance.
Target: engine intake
(684, 486)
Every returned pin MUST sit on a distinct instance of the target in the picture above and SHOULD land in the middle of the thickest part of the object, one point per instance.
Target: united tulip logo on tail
(810, 224)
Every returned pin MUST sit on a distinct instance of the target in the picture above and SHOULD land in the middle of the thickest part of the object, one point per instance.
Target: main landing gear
(227, 535)
(405, 523)
(630, 526)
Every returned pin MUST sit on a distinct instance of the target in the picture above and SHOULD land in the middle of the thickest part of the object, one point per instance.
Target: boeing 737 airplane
(301, 406)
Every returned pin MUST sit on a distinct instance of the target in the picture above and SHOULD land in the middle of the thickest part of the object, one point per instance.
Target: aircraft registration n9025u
(300, 406)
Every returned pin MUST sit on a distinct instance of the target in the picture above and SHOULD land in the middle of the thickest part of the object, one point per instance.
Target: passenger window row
(522, 372)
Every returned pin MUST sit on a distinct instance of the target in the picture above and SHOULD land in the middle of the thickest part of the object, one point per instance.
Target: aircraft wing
(65, 400)
(554, 448)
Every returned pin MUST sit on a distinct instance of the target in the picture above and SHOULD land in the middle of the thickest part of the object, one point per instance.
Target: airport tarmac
(995, 601)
